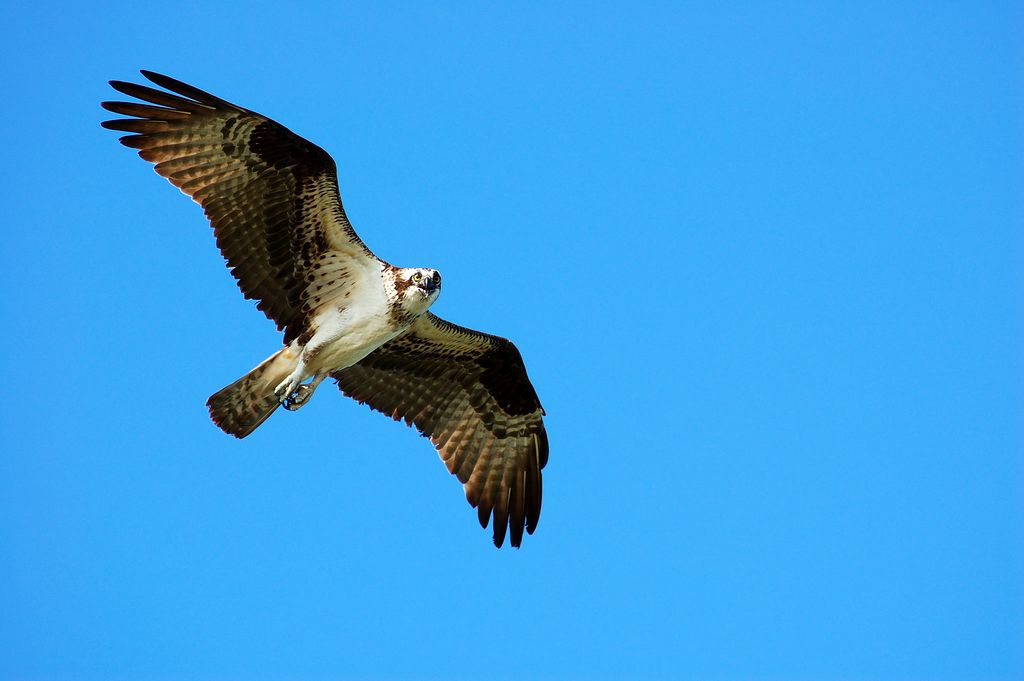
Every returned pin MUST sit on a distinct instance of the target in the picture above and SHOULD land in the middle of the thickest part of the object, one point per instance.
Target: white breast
(349, 327)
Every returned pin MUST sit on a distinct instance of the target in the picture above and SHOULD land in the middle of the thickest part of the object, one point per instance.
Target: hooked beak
(432, 284)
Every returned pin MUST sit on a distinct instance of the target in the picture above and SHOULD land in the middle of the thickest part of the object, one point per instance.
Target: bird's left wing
(469, 393)
(271, 196)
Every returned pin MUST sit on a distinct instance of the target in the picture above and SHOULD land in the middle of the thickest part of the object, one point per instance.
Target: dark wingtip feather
(187, 90)
(134, 141)
(156, 113)
(542, 446)
(140, 125)
(162, 98)
(501, 518)
(119, 85)
(517, 514)
(533, 502)
(159, 78)
(534, 480)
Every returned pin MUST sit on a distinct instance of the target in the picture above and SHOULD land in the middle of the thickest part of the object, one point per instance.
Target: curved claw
(297, 398)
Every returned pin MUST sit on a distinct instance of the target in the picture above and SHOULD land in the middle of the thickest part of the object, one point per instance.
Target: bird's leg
(292, 392)
(301, 393)
(286, 388)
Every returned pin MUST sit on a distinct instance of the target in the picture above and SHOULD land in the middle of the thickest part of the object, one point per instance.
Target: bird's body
(373, 308)
(273, 201)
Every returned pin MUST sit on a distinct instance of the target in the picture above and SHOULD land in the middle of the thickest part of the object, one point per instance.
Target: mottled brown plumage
(272, 199)
(255, 179)
(469, 394)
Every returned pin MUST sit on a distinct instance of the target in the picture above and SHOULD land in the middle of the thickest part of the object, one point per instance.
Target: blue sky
(765, 268)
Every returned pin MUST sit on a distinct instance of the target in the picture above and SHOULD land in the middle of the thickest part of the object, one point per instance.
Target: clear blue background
(765, 267)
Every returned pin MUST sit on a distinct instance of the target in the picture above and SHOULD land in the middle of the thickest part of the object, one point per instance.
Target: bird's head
(417, 288)
(426, 280)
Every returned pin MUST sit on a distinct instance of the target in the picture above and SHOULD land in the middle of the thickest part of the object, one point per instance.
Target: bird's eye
(416, 277)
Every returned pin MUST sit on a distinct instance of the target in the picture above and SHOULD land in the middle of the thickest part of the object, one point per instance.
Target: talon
(293, 394)
(297, 398)
(283, 390)
(286, 388)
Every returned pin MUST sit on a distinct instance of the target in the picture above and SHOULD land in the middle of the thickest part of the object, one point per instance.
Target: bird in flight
(272, 199)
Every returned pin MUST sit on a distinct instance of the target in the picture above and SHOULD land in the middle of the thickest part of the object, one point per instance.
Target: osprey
(273, 201)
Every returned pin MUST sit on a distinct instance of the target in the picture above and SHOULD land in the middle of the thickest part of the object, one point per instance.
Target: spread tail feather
(238, 409)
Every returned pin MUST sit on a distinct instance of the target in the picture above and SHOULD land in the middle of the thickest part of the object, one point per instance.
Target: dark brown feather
(155, 113)
(488, 431)
(187, 90)
(160, 98)
(265, 190)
